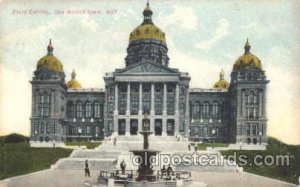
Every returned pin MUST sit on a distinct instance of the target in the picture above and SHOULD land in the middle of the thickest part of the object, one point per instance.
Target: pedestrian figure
(189, 146)
(115, 141)
(86, 169)
(163, 171)
(196, 148)
(123, 166)
(169, 170)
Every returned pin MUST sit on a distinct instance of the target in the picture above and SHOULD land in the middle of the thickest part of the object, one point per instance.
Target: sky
(202, 37)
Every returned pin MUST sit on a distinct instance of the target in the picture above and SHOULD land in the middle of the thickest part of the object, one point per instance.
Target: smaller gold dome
(50, 61)
(247, 59)
(73, 83)
(222, 83)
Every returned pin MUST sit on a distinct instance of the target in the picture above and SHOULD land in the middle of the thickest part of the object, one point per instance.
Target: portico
(160, 100)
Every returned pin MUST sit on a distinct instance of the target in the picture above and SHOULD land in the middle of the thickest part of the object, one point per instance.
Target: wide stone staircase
(109, 156)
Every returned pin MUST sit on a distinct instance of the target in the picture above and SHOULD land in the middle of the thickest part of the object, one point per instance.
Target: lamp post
(213, 133)
(35, 133)
(260, 133)
(146, 124)
(240, 144)
(79, 132)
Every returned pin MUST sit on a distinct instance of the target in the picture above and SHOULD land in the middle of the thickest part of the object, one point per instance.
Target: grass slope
(19, 158)
(289, 173)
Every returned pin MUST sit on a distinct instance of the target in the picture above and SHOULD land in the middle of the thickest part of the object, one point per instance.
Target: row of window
(84, 110)
(252, 129)
(48, 128)
(44, 98)
(207, 131)
(86, 130)
(205, 110)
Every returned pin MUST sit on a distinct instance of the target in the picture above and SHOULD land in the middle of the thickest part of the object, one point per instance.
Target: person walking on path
(87, 169)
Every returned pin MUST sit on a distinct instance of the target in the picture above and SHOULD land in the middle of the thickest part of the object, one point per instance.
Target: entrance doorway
(158, 127)
(121, 127)
(170, 127)
(133, 126)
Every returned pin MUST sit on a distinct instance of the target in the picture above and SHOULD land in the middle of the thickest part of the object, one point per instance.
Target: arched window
(196, 110)
(215, 109)
(205, 110)
(96, 109)
(88, 109)
(70, 110)
(79, 109)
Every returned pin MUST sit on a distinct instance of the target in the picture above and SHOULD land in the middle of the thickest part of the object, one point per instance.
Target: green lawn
(203, 146)
(19, 158)
(89, 145)
(289, 173)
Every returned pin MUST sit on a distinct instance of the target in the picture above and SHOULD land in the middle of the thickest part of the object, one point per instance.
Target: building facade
(147, 87)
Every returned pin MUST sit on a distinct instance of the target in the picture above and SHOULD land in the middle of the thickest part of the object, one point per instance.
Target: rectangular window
(158, 104)
(134, 101)
(122, 103)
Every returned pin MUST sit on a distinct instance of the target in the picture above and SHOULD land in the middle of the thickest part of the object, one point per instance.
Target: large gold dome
(73, 83)
(50, 61)
(147, 30)
(222, 83)
(247, 59)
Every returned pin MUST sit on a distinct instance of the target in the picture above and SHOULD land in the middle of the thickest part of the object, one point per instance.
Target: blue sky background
(202, 37)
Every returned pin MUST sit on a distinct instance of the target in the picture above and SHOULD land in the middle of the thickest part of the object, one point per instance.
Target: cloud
(221, 31)
(181, 17)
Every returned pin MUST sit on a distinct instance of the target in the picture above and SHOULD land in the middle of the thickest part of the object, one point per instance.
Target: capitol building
(228, 112)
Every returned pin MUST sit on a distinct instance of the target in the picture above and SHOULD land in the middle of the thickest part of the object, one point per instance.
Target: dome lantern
(147, 14)
(247, 47)
(50, 48)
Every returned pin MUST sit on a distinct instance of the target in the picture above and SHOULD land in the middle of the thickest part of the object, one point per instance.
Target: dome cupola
(222, 83)
(49, 61)
(247, 59)
(147, 43)
(73, 83)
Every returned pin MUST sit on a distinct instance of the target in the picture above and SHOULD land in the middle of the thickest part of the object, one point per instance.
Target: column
(187, 114)
(260, 104)
(177, 109)
(128, 111)
(164, 126)
(152, 111)
(128, 99)
(141, 99)
(164, 120)
(152, 100)
(177, 99)
(116, 111)
(140, 107)
(165, 100)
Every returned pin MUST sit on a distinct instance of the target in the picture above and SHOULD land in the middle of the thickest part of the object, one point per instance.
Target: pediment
(148, 67)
